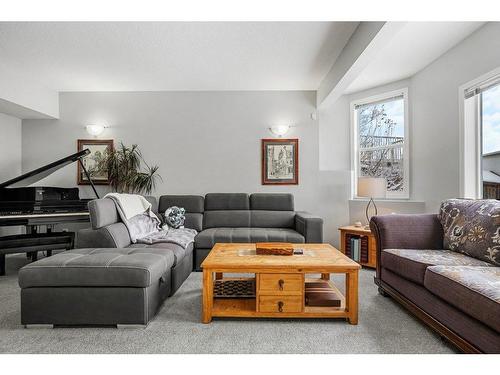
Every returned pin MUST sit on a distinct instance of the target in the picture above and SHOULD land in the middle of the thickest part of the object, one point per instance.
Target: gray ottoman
(96, 287)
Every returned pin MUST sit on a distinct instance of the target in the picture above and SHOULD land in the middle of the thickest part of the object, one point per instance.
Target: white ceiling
(131, 56)
(16, 110)
(412, 49)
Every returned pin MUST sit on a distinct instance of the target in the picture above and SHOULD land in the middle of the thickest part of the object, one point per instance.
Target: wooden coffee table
(279, 282)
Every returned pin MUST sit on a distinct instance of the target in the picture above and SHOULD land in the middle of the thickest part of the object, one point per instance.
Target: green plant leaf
(125, 173)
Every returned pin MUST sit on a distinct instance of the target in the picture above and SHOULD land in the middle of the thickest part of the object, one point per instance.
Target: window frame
(470, 136)
(405, 194)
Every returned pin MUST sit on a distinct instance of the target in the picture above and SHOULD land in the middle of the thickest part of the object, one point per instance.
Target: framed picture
(97, 148)
(280, 162)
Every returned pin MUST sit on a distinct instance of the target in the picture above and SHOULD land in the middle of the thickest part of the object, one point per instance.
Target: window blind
(482, 86)
(385, 100)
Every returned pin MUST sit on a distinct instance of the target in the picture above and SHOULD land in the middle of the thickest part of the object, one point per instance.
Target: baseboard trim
(131, 326)
(38, 326)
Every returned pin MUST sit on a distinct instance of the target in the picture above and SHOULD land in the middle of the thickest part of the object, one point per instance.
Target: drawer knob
(280, 306)
(281, 282)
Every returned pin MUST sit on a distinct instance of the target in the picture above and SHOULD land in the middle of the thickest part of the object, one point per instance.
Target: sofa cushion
(412, 264)
(102, 213)
(271, 202)
(99, 268)
(178, 251)
(226, 218)
(194, 221)
(472, 227)
(119, 234)
(227, 201)
(474, 290)
(246, 218)
(209, 237)
(272, 219)
(154, 203)
(193, 204)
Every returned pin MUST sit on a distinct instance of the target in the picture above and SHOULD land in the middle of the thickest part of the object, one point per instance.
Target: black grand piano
(40, 206)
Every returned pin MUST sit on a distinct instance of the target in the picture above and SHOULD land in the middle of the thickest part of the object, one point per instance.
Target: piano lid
(42, 172)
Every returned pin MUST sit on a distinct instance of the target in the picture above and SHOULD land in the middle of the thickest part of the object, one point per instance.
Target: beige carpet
(384, 327)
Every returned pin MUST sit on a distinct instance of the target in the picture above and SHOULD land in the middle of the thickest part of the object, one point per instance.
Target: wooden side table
(368, 240)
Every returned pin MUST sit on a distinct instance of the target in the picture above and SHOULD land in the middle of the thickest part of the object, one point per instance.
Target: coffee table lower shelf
(246, 307)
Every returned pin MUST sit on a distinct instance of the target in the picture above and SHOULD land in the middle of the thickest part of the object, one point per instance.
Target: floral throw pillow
(472, 227)
(175, 216)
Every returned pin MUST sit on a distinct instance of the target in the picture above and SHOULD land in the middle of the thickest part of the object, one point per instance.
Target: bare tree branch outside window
(380, 150)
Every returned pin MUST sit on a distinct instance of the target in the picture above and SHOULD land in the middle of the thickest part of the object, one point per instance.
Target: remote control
(298, 251)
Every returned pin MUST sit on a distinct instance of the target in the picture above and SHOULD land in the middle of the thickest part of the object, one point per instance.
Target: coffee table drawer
(280, 304)
(281, 283)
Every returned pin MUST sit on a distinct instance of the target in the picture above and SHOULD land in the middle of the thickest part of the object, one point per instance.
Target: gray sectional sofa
(218, 217)
(108, 280)
(108, 231)
(240, 217)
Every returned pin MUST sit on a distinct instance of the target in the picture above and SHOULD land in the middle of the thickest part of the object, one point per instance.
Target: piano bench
(33, 243)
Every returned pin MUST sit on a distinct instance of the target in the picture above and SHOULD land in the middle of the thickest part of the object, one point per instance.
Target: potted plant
(127, 170)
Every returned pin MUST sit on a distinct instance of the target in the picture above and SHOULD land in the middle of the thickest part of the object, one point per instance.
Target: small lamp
(371, 187)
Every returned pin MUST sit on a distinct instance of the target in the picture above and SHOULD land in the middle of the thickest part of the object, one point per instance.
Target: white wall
(24, 98)
(202, 141)
(436, 154)
(10, 147)
(351, 56)
(10, 154)
(335, 163)
(434, 129)
(210, 141)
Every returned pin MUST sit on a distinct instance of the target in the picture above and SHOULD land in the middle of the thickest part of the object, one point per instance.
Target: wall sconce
(279, 130)
(95, 130)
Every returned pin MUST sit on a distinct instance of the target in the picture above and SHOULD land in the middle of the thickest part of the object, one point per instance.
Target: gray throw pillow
(472, 227)
(175, 217)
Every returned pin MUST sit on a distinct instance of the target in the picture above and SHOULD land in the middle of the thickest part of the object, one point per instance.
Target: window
(490, 141)
(380, 141)
(480, 145)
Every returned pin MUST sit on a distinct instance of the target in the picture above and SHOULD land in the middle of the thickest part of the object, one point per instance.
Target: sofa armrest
(112, 236)
(310, 226)
(419, 231)
(422, 231)
(86, 238)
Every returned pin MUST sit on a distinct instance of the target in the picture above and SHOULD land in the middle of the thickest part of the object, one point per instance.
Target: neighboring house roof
(494, 153)
(489, 176)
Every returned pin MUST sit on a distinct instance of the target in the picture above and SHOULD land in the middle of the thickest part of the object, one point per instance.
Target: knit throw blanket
(181, 236)
(144, 226)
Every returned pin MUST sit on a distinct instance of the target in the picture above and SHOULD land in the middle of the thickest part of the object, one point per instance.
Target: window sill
(388, 200)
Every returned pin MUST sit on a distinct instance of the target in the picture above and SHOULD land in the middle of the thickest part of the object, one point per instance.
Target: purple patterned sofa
(445, 269)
